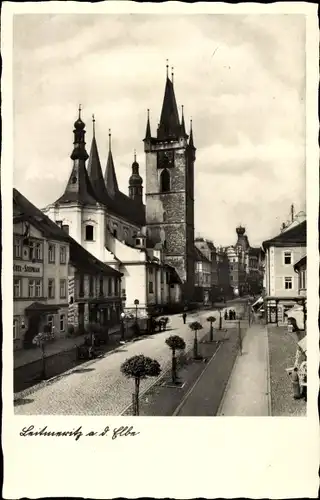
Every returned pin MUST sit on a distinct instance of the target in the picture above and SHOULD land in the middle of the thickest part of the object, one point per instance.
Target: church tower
(170, 158)
(135, 182)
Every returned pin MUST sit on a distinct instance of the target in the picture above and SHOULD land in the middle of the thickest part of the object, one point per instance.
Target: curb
(184, 399)
(268, 375)
(229, 381)
(157, 380)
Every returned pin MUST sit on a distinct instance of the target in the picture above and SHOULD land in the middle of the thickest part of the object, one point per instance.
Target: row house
(55, 281)
(281, 282)
(203, 278)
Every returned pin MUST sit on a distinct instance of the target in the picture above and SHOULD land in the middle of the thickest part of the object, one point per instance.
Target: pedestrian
(234, 315)
(230, 314)
(184, 317)
(226, 315)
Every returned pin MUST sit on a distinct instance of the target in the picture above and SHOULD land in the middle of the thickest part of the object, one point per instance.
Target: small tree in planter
(41, 340)
(175, 343)
(211, 320)
(195, 326)
(139, 367)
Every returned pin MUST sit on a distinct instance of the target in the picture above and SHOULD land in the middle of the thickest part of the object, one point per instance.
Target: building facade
(206, 271)
(40, 275)
(120, 230)
(56, 282)
(280, 280)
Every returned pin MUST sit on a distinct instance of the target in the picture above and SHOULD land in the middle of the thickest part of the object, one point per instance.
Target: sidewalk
(248, 392)
(24, 357)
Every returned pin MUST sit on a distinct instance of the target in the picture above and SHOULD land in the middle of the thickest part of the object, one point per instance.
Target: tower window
(164, 216)
(115, 233)
(164, 181)
(89, 233)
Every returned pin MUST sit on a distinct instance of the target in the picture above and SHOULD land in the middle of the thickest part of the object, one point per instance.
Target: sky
(240, 77)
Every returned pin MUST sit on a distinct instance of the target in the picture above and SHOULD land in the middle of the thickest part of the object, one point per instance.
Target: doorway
(32, 331)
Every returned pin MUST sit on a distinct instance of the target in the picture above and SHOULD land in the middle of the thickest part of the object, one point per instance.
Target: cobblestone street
(97, 387)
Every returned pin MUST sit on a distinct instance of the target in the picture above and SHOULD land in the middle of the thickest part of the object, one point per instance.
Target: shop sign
(18, 268)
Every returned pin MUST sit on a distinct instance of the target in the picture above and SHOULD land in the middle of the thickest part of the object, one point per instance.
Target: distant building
(56, 282)
(281, 281)
(206, 271)
(240, 266)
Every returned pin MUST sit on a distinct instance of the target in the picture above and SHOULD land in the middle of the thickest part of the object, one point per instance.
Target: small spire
(148, 128)
(191, 134)
(109, 139)
(93, 125)
(172, 73)
(135, 155)
(80, 111)
(167, 67)
(183, 127)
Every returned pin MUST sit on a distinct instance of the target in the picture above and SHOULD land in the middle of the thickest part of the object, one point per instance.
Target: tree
(40, 340)
(195, 326)
(211, 319)
(175, 343)
(139, 367)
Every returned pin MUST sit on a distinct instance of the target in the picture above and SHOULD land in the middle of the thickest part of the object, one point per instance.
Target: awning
(259, 301)
(41, 308)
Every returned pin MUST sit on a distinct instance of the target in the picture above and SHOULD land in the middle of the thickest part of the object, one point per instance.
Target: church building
(152, 245)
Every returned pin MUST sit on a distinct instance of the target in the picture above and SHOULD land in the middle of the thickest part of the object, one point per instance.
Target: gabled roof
(301, 263)
(30, 213)
(199, 256)
(169, 121)
(79, 256)
(294, 236)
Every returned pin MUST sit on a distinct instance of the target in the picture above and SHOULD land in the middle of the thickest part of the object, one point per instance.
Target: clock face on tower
(165, 159)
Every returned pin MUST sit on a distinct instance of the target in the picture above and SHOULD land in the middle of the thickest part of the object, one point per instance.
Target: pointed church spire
(183, 127)
(148, 128)
(93, 126)
(79, 188)
(191, 135)
(110, 177)
(94, 169)
(169, 120)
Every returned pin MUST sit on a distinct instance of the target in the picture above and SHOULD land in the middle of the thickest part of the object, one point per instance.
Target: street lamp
(122, 316)
(136, 303)
(220, 318)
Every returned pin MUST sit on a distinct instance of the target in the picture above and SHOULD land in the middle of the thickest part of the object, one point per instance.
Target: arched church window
(89, 233)
(164, 216)
(165, 181)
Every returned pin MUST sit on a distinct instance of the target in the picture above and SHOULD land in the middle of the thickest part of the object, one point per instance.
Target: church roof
(110, 177)
(79, 188)
(79, 256)
(95, 172)
(297, 235)
(169, 121)
(117, 201)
